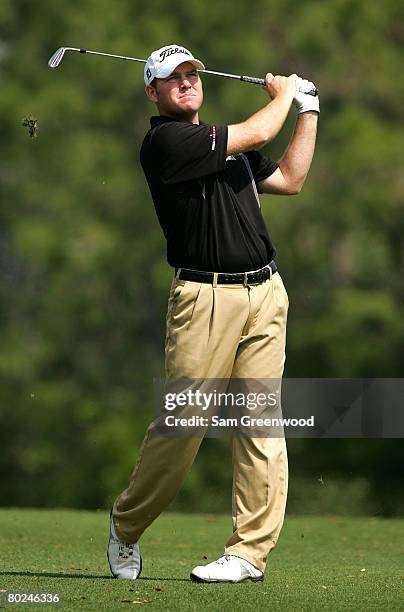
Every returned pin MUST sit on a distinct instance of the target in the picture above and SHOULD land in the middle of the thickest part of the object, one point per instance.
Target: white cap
(161, 63)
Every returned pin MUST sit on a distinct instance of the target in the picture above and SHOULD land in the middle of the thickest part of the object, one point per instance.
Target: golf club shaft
(58, 56)
(124, 57)
(215, 73)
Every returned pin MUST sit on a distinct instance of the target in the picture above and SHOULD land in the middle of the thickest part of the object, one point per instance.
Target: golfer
(228, 306)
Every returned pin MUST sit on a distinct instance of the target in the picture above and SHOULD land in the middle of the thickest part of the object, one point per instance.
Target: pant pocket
(279, 292)
(180, 313)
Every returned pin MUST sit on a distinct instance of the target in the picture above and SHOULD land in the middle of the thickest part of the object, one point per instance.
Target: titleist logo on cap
(167, 52)
(161, 63)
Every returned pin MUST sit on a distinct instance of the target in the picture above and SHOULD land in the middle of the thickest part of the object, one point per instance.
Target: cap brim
(165, 73)
(198, 64)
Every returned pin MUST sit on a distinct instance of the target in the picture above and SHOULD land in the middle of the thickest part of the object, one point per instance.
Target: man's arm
(264, 125)
(294, 166)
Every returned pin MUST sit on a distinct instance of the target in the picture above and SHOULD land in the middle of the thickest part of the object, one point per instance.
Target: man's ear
(151, 93)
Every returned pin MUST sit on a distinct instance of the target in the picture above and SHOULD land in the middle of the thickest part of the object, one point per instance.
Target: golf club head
(58, 56)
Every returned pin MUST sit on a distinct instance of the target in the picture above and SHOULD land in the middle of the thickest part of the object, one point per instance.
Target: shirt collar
(159, 119)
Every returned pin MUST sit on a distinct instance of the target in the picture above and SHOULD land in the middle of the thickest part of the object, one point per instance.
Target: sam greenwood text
(244, 421)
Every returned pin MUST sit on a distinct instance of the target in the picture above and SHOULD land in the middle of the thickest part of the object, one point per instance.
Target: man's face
(178, 95)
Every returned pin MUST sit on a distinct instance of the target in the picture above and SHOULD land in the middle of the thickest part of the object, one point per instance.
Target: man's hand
(305, 102)
(281, 85)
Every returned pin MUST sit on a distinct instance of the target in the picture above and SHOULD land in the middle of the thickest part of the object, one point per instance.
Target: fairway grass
(320, 563)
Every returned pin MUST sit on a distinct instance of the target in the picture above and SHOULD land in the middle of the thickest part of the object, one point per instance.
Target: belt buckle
(258, 277)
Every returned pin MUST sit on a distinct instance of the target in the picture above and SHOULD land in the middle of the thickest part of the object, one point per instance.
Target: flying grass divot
(31, 124)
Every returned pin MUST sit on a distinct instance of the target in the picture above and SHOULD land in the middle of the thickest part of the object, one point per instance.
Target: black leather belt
(229, 278)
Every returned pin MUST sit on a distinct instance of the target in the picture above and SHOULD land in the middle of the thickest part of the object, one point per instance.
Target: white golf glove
(303, 101)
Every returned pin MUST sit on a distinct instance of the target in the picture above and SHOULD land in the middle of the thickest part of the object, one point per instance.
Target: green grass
(320, 563)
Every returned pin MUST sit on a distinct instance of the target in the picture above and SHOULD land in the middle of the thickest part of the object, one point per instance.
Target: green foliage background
(83, 276)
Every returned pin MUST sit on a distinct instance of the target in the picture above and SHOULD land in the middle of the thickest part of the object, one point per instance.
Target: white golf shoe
(124, 559)
(227, 569)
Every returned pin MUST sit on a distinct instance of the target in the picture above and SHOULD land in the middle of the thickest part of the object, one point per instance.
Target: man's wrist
(309, 113)
(307, 103)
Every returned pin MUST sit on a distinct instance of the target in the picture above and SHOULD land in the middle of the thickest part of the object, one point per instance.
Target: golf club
(59, 54)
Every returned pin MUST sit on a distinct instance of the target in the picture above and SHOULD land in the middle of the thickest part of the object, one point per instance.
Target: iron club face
(58, 56)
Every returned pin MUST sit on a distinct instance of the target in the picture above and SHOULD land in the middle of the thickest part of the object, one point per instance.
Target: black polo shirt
(206, 202)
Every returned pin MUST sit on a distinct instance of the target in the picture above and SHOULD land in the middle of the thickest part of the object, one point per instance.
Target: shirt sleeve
(186, 151)
(261, 166)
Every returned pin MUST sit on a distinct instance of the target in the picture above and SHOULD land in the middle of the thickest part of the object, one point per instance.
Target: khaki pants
(218, 331)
